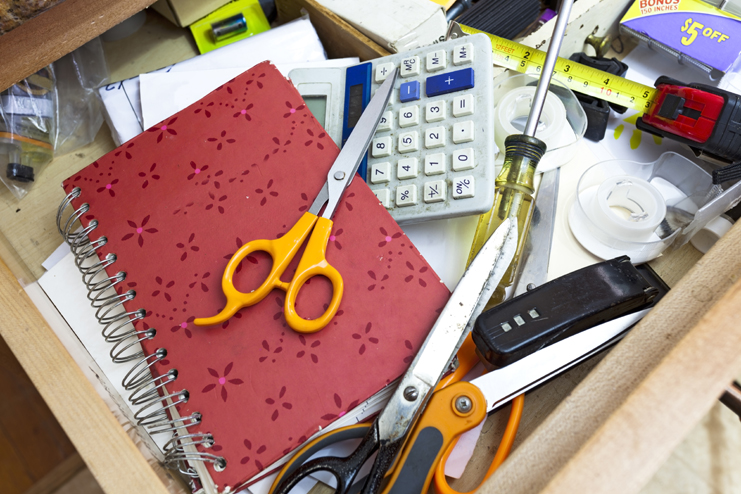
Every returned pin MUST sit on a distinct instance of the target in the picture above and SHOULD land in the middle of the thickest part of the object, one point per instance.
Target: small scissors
(313, 262)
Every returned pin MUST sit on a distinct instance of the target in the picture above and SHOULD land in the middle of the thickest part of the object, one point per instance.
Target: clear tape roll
(628, 206)
(637, 209)
(554, 129)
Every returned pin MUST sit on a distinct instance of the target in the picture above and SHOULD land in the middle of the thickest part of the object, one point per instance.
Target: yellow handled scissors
(313, 262)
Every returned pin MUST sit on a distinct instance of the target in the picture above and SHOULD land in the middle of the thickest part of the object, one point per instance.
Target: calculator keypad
(436, 60)
(436, 139)
(435, 111)
(463, 106)
(463, 132)
(406, 168)
(408, 116)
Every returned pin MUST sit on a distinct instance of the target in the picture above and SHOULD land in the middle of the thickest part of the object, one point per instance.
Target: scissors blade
(502, 385)
(537, 252)
(348, 161)
(457, 317)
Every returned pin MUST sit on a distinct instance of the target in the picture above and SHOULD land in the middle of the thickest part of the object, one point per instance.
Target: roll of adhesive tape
(711, 233)
(515, 105)
(619, 216)
(628, 207)
(553, 127)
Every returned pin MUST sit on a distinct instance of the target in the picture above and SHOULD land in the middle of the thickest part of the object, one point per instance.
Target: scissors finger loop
(281, 250)
(344, 469)
(314, 263)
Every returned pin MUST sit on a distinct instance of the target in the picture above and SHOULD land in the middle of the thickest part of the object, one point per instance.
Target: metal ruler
(577, 77)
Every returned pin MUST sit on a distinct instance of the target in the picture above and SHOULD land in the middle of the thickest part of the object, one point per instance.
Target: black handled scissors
(389, 430)
(450, 412)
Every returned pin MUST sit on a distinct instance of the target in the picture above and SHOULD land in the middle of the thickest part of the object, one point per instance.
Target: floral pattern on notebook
(177, 201)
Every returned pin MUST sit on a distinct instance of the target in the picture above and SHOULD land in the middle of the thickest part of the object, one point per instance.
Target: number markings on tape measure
(575, 76)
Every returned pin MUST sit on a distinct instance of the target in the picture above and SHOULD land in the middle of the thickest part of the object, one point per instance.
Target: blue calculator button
(409, 91)
(449, 82)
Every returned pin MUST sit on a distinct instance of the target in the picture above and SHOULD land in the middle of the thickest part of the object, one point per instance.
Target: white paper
(55, 256)
(165, 93)
(64, 287)
(294, 42)
(445, 244)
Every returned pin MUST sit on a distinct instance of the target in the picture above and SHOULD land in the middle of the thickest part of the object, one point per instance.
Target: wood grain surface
(56, 32)
(32, 444)
(96, 434)
(580, 416)
(630, 446)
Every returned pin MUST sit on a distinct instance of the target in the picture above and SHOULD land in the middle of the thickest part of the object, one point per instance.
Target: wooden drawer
(607, 431)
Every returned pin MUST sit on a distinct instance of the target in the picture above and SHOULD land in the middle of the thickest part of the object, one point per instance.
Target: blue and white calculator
(433, 153)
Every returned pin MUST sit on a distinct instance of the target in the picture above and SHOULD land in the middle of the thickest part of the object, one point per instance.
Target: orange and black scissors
(451, 411)
(314, 261)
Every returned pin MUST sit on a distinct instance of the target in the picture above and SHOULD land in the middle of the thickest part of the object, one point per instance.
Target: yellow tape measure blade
(577, 77)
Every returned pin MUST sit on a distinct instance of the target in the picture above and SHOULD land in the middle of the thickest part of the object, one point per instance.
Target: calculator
(433, 153)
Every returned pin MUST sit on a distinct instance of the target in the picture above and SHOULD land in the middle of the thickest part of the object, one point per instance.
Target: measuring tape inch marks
(577, 77)
(705, 118)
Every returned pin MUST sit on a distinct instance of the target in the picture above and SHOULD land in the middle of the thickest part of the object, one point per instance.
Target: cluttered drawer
(417, 265)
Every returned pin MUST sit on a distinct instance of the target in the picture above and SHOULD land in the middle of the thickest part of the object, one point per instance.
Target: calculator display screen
(317, 105)
(355, 105)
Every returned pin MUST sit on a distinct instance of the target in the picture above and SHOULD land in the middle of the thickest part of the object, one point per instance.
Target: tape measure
(577, 77)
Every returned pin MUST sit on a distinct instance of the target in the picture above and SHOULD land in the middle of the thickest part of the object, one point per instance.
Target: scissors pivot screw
(411, 393)
(339, 175)
(463, 404)
(530, 286)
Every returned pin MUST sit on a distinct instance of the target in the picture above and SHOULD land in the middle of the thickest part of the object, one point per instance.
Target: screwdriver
(514, 188)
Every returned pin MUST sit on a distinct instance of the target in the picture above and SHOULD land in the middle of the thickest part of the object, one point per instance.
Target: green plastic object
(208, 39)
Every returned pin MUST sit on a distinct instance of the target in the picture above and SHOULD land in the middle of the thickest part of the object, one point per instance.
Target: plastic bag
(78, 111)
(27, 129)
(52, 112)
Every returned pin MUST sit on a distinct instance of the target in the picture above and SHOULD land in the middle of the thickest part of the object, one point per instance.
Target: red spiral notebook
(177, 201)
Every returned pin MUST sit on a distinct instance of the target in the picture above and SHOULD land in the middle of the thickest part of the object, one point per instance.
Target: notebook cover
(177, 201)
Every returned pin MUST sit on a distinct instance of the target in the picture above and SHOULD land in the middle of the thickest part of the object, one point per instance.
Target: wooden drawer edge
(616, 428)
(111, 456)
(58, 31)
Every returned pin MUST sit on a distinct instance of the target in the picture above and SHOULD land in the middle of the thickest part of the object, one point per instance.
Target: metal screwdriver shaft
(514, 184)
(541, 91)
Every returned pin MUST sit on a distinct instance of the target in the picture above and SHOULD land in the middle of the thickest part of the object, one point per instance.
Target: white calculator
(433, 154)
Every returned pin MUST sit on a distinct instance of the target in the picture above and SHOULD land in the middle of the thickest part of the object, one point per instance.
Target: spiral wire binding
(147, 392)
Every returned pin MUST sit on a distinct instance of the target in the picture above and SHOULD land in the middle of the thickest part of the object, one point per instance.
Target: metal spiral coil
(118, 355)
(175, 460)
(111, 332)
(138, 373)
(155, 412)
(147, 392)
(178, 443)
(171, 425)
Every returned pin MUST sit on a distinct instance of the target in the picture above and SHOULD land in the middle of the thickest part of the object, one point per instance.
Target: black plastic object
(563, 307)
(505, 18)
(598, 113)
(268, 7)
(19, 173)
(597, 110)
(724, 144)
(457, 9)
